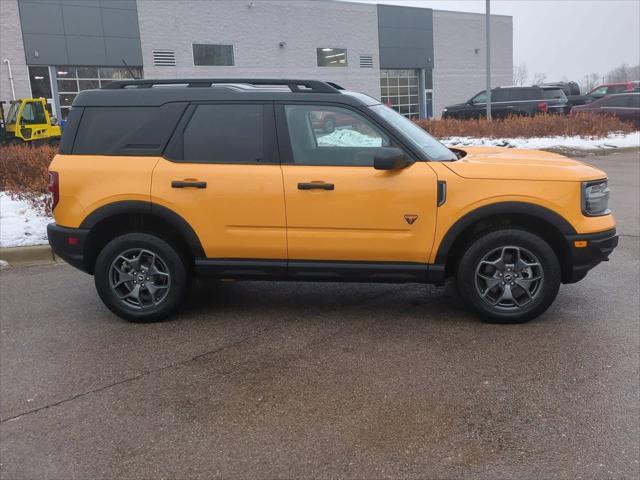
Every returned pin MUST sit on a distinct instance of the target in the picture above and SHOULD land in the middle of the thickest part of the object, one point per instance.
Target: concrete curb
(22, 256)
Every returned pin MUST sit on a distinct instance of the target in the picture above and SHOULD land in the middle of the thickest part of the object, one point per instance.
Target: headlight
(595, 198)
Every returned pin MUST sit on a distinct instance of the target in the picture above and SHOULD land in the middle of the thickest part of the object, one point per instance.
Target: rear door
(222, 175)
(339, 208)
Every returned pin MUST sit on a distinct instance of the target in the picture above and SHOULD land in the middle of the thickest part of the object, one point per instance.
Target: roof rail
(308, 86)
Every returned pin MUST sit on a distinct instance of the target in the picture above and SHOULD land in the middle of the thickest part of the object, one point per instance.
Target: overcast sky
(562, 38)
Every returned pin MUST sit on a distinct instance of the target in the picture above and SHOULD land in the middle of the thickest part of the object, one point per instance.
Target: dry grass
(584, 125)
(24, 173)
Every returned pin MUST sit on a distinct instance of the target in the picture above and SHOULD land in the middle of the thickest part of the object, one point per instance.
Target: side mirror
(390, 158)
(54, 120)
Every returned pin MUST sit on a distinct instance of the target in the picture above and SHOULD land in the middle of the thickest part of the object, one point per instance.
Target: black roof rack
(296, 86)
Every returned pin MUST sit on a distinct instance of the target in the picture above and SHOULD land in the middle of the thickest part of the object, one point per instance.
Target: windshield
(420, 139)
(13, 111)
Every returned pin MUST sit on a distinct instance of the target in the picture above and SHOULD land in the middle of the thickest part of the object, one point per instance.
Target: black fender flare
(495, 209)
(147, 208)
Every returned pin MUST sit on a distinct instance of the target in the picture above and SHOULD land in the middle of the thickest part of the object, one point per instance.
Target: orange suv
(161, 180)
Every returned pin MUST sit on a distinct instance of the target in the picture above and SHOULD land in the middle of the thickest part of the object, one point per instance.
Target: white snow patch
(20, 224)
(580, 143)
(348, 138)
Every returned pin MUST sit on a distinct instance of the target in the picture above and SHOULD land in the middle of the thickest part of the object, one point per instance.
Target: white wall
(255, 29)
(459, 72)
(12, 48)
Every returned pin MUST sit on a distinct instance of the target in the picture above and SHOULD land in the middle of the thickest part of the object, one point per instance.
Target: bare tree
(623, 73)
(520, 74)
(539, 78)
(589, 82)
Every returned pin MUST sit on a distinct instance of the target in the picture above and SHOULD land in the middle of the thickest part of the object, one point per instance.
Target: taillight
(54, 188)
(542, 107)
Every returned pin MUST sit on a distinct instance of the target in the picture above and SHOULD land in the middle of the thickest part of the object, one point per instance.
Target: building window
(206, 55)
(72, 80)
(400, 89)
(332, 57)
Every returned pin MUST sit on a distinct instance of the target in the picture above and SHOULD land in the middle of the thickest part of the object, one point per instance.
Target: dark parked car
(625, 106)
(505, 101)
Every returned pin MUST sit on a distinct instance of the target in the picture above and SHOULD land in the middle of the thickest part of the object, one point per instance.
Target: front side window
(13, 113)
(232, 133)
(327, 135)
(599, 92)
(620, 101)
(207, 55)
(332, 57)
(479, 98)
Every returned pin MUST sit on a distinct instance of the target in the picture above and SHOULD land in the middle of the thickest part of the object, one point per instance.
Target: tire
(329, 125)
(509, 263)
(129, 265)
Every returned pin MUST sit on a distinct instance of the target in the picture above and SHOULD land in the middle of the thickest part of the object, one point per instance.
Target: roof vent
(366, 61)
(164, 58)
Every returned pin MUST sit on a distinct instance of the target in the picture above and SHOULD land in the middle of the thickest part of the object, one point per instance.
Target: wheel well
(120, 224)
(535, 225)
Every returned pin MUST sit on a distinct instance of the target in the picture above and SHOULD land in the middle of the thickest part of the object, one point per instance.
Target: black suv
(505, 101)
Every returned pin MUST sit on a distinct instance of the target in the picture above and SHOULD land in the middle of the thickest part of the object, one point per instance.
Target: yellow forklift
(28, 122)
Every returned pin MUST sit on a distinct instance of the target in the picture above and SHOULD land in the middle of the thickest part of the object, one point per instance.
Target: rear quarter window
(130, 131)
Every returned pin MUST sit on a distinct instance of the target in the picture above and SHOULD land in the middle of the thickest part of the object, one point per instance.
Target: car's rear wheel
(140, 277)
(509, 276)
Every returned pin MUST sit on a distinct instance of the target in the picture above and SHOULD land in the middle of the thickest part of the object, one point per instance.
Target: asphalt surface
(295, 380)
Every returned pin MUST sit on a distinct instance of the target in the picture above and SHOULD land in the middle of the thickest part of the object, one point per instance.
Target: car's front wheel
(509, 276)
(140, 277)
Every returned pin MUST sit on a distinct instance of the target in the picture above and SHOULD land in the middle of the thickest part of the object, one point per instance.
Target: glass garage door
(400, 90)
(72, 80)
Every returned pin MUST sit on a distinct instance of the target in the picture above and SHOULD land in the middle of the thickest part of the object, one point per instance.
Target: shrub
(584, 125)
(23, 173)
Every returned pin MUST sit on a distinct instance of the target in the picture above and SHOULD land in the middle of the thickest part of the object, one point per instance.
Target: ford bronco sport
(158, 180)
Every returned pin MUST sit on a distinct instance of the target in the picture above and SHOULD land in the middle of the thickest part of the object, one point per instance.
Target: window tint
(528, 94)
(33, 114)
(332, 57)
(225, 134)
(212, 55)
(332, 136)
(599, 92)
(126, 130)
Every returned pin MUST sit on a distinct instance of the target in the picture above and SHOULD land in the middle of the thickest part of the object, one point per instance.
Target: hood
(520, 164)
(457, 105)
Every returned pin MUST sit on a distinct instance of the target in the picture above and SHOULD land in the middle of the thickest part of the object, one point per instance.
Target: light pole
(488, 35)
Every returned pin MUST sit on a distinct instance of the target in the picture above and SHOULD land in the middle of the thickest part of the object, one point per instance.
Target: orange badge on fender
(411, 219)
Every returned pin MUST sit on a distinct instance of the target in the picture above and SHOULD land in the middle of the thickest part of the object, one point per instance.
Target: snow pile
(578, 143)
(20, 224)
(348, 138)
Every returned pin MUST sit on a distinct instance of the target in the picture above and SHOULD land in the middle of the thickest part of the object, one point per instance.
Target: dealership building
(415, 59)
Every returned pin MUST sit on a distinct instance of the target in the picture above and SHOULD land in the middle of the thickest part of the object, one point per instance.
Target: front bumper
(68, 244)
(587, 251)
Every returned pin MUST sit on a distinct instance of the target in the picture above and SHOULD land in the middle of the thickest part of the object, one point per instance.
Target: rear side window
(502, 95)
(232, 133)
(131, 131)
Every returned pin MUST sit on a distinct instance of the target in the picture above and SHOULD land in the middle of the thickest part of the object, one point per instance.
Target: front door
(339, 208)
(225, 180)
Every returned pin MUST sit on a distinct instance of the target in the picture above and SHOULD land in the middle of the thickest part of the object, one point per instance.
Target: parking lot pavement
(295, 380)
